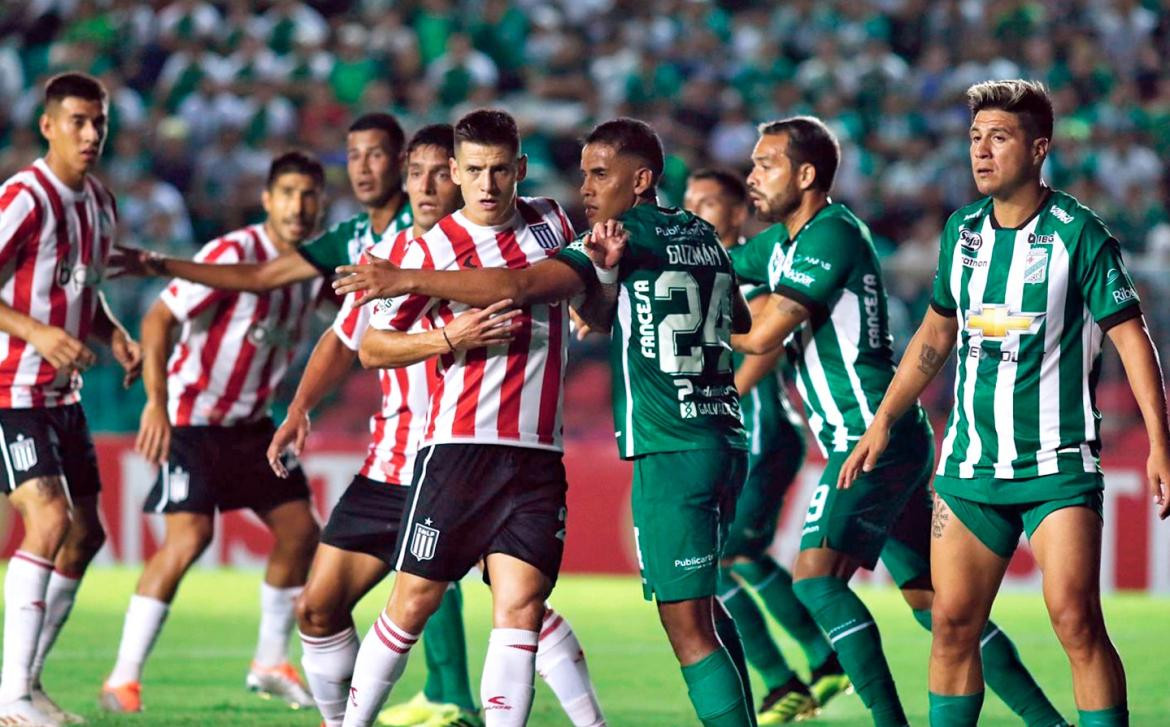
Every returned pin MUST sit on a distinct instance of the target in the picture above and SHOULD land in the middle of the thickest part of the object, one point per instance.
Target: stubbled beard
(777, 212)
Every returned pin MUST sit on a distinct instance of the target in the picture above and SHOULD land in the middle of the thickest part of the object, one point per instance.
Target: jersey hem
(989, 491)
(494, 442)
(942, 310)
(813, 305)
(1115, 319)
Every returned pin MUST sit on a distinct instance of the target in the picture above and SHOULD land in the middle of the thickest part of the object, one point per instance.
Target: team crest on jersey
(24, 453)
(688, 410)
(1036, 265)
(971, 241)
(545, 237)
(178, 484)
(422, 545)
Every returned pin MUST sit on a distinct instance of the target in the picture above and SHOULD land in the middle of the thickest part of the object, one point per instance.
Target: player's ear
(45, 123)
(1040, 148)
(266, 201)
(806, 176)
(453, 165)
(521, 167)
(643, 181)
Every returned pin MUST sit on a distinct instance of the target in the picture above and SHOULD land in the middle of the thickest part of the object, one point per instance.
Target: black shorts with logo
(223, 468)
(367, 518)
(471, 500)
(48, 442)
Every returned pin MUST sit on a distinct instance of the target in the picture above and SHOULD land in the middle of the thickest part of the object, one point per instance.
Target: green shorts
(757, 512)
(999, 526)
(682, 504)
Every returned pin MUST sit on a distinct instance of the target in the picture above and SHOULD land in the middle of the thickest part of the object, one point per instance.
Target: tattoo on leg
(930, 359)
(939, 517)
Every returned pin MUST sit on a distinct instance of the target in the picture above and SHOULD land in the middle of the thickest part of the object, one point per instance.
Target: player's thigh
(78, 453)
(906, 554)
(254, 485)
(32, 464)
(1067, 545)
(292, 523)
(757, 509)
(367, 518)
(187, 481)
(964, 571)
(339, 579)
(532, 529)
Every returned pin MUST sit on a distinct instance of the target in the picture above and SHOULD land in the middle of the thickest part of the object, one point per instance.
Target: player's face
(374, 166)
(433, 194)
(706, 199)
(487, 174)
(610, 182)
(1002, 157)
(76, 130)
(293, 204)
(772, 185)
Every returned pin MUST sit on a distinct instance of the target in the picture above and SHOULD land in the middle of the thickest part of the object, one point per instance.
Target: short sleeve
(574, 256)
(330, 249)
(402, 312)
(750, 260)
(819, 264)
(188, 300)
(942, 298)
(20, 220)
(1105, 283)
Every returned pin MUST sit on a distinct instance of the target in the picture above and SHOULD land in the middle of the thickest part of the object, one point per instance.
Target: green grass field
(196, 674)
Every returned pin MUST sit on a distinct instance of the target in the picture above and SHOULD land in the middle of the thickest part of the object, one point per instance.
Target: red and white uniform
(235, 347)
(54, 242)
(398, 426)
(509, 394)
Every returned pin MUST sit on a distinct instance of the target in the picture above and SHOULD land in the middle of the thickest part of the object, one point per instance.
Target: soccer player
(1029, 283)
(57, 222)
(206, 425)
(675, 407)
(829, 303)
(776, 450)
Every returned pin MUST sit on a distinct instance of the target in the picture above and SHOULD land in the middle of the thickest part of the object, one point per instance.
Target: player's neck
(730, 240)
(381, 215)
(67, 176)
(810, 205)
(1018, 206)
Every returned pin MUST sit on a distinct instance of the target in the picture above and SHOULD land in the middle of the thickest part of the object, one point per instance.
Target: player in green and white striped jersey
(829, 302)
(1029, 283)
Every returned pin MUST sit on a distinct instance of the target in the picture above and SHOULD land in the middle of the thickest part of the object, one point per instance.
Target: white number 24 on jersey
(715, 323)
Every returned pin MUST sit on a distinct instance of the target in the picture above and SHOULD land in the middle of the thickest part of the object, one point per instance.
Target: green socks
(1112, 717)
(445, 647)
(773, 585)
(1007, 676)
(716, 692)
(955, 711)
(758, 645)
(854, 636)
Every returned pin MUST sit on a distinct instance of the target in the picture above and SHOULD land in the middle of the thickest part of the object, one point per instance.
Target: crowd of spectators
(205, 91)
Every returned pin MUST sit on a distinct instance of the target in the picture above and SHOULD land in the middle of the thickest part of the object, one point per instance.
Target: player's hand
(477, 328)
(606, 243)
(377, 278)
(60, 349)
(864, 456)
(582, 328)
(154, 434)
(128, 353)
(125, 261)
(1158, 475)
(291, 435)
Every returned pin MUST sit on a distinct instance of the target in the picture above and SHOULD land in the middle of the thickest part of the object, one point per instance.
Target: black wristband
(448, 340)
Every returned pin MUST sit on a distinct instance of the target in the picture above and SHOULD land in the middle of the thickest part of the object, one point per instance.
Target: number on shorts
(816, 504)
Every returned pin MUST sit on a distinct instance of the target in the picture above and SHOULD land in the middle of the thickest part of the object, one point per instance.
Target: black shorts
(471, 500)
(223, 468)
(48, 442)
(367, 518)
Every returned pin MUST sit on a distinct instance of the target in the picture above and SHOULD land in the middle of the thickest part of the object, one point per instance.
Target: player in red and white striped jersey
(206, 424)
(56, 227)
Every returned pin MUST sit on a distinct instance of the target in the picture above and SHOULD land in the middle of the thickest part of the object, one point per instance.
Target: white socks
(25, 585)
(561, 664)
(59, 598)
(277, 617)
(328, 662)
(380, 663)
(506, 688)
(144, 621)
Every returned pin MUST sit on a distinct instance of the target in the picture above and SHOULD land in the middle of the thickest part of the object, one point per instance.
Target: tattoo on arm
(930, 360)
(939, 517)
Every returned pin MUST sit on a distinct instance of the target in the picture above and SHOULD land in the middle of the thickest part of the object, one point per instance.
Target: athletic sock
(445, 648)
(506, 688)
(277, 618)
(328, 663)
(729, 636)
(1006, 675)
(854, 635)
(773, 584)
(24, 613)
(955, 710)
(560, 662)
(716, 691)
(379, 665)
(758, 645)
(59, 598)
(144, 621)
(1112, 717)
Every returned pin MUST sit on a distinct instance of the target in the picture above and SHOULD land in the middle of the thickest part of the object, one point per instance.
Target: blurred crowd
(204, 92)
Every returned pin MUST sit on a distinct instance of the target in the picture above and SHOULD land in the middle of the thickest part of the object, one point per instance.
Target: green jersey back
(673, 385)
(344, 243)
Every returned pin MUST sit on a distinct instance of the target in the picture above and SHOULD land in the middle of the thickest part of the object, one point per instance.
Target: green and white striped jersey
(1033, 304)
(344, 243)
(673, 384)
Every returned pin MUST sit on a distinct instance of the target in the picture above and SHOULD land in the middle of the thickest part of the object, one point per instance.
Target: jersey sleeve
(574, 256)
(750, 260)
(942, 298)
(330, 249)
(186, 299)
(401, 313)
(820, 264)
(20, 220)
(1105, 283)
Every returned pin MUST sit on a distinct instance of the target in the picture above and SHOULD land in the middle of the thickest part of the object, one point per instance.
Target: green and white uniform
(676, 410)
(344, 243)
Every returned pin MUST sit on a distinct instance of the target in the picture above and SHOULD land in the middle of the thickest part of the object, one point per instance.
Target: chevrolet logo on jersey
(997, 321)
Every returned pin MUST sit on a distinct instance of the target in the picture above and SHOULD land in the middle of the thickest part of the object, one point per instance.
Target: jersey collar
(1039, 207)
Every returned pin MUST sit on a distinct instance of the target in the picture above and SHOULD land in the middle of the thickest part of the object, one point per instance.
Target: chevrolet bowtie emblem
(996, 321)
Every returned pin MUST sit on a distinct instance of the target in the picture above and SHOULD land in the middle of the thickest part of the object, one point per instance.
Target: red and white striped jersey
(235, 347)
(398, 426)
(503, 394)
(54, 242)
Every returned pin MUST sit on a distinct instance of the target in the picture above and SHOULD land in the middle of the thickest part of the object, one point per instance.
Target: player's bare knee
(80, 547)
(954, 625)
(46, 521)
(519, 613)
(186, 542)
(318, 615)
(1078, 623)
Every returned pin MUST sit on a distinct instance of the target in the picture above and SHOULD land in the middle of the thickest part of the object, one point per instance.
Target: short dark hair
(296, 162)
(440, 135)
(381, 122)
(731, 183)
(492, 127)
(78, 85)
(636, 138)
(809, 142)
(1027, 99)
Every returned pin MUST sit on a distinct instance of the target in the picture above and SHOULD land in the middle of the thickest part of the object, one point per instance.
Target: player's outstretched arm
(925, 355)
(475, 328)
(283, 270)
(755, 367)
(1144, 371)
(109, 330)
(780, 317)
(154, 427)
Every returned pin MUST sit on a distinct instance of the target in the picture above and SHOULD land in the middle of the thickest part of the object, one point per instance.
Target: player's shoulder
(346, 229)
(1074, 221)
(20, 195)
(837, 226)
(391, 248)
(532, 208)
(239, 245)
